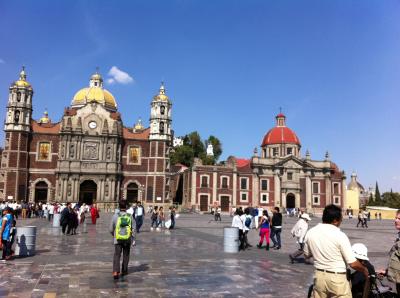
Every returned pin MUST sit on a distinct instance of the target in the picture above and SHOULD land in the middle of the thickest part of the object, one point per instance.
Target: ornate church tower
(160, 118)
(17, 129)
(160, 138)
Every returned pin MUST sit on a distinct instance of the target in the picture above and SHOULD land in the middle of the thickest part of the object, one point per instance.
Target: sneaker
(151, 229)
(291, 259)
(276, 247)
(259, 246)
(115, 275)
(267, 248)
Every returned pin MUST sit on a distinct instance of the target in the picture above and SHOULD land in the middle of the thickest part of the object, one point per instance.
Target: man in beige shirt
(331, 250)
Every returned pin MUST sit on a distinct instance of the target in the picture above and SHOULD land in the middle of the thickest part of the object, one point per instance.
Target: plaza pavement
(186, 262)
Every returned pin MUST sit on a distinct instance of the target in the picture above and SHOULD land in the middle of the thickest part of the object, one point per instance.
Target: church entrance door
(203, 203)
(132, 192)
(225, 203)
(41, 190)
(88, 192)
(290, 201)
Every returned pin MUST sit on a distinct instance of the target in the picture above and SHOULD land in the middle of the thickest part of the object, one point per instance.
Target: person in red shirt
(94, 213)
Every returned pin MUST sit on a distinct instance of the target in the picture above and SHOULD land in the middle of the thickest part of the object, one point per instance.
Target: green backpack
(123, 229)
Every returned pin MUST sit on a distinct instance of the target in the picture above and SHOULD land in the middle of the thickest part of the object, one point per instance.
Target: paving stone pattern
(186, 262)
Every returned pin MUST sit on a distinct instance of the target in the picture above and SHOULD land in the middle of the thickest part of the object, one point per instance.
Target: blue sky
(333, 67)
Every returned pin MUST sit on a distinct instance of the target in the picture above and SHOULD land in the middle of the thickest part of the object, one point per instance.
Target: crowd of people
(325, 246)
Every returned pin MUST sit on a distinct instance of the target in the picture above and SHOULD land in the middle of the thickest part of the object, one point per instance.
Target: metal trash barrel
(231, 240)
(25, 241)
(56, 220)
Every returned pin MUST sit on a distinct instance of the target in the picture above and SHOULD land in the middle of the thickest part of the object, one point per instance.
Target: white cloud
(119, 76)
(396, 178)
(2, 61)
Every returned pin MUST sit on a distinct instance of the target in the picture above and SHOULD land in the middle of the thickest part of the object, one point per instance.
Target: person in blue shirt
(6, 224)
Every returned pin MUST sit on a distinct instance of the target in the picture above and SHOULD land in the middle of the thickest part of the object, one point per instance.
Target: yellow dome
(45, 118)
(139, 125)
(161, 96)
(96, 94)
(22, 79)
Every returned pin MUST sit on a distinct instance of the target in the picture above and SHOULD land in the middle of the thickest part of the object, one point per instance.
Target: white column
(234, 183)
(328, 194)
(256, 190)
(119, 189)
(215, 184)
(277, 190)
(308, 192)
(193, 195)
(344, 198)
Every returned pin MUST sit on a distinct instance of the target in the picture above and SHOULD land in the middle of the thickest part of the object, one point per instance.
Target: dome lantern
(45, 118)
(94, 93)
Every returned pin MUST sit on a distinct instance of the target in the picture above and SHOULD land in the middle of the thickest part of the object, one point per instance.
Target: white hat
(305, 216)
(360, 251)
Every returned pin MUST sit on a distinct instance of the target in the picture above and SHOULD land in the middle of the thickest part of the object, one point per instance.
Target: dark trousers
(139, 222)
(51, 217)
(64, 227)
(154, 222)
(241, 239)
(360, 221)
(217, 217)
(276, 236)
(122, 247)
(172, 222)
(6, 249)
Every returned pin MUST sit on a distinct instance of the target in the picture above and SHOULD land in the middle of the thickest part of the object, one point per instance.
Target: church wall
(159, 189)
(143, 165)
(34, 161)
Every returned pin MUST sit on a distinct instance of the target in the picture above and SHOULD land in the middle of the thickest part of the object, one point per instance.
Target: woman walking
(161, 218)
(94, 212)
(264, 225)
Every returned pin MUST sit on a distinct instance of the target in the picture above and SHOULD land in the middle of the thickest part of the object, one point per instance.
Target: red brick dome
(280, 134)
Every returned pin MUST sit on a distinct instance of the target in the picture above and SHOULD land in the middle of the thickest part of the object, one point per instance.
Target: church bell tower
(160, 118)
(17, 129)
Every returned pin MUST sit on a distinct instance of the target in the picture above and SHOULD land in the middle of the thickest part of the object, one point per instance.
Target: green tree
(194, 140)
(194, 147)
(182, 154)
(378, 199)
(391, 199)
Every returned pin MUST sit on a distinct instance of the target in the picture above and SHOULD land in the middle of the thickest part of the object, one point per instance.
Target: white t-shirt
(139, 211)
(237, 222)
(51, 209)
(330, 248)
(130, 211)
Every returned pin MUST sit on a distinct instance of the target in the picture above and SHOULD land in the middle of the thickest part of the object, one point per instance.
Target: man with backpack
(246, 218)
(122, 228)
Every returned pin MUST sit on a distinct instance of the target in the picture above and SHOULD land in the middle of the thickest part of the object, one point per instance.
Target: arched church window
(161, 127)
(16, 116)
(18, 96)
(162, 110)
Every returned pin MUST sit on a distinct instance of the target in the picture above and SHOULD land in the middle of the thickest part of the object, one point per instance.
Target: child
(357, 278)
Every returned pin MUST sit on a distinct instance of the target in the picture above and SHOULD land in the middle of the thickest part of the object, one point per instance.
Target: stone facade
(89, 155)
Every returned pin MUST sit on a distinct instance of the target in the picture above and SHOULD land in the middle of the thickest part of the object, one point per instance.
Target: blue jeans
(276, 236)
(139, 222)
